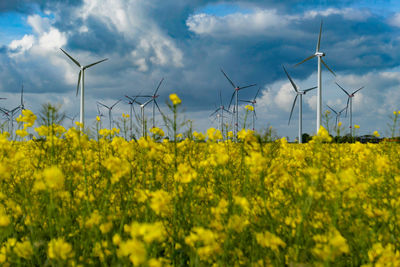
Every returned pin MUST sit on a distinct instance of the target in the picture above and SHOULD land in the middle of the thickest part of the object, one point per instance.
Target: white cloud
(285, 96)
(22, 45)
(258, 22)
(346, 13)
(39, 24)
(129, 19)
(395, 20)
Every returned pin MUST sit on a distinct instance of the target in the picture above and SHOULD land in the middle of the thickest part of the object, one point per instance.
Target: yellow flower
(340, 123)
(59, 249)
(356, 126)
(376, 134)
(249, 107)
(269, 240)
(175, 99)
(23, 249)
(97, 118)
(53, 178)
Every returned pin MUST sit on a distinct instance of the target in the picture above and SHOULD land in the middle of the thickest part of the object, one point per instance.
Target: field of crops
(67, 200)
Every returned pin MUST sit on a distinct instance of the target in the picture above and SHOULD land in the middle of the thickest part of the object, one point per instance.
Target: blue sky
(187, 42)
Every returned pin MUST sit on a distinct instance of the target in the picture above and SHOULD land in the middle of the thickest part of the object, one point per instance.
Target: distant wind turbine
(109, 110)
(155, 104)
(235, 93)
(337, 115)
(81, 81)
(220, 115)
(349, 100)
(319, 55)
(132, 100)
(253, 103)
(298, 93)
(142, 106)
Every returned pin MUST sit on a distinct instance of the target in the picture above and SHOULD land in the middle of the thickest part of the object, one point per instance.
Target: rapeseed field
(67, 200)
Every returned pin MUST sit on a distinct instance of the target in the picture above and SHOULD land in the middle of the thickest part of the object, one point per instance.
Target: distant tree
(50, 114)
(306, 137)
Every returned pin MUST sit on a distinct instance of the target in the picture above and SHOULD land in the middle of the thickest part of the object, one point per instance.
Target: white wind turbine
(350, 100)
(236, 92)
(337, 119)
(253, 103)
(109, 110)
(319, 55)
(220, 115)
(299, 93)
(81, 81)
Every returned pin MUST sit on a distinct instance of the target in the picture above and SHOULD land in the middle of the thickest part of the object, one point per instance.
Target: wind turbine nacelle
(319, 54)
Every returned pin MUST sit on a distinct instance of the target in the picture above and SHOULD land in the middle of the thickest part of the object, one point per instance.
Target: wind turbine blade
(220, 97)
(347, 105)
(246, 101)
(130, 98)
(257, 94)
(159, 110)
(340, 112)
(304, 60)
(332, 109)
(326, 66)
(75, 61)
(290, 79)
(227, 111)
(255, 115)
(309, 89)
(233, 95)
(79, 81)
(115, 104)
(291, 112)
(214, 112)
(357, 90)
(90, 65)
(230, 81)
(319, 38)
(240, 88)
(103, 105)
(343, 90)
(158, 87)
(147, 102)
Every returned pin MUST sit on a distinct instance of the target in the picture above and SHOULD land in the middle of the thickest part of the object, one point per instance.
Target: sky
(188, 42)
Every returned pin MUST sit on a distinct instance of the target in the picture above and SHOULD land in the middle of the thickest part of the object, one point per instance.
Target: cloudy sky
(187, 42)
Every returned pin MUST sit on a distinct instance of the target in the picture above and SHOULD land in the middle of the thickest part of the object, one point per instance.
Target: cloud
(257, 22)
(145, 41)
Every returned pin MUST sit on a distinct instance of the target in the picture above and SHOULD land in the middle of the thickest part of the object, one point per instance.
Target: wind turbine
(235, 92)
(220, 115)
(132, 110)
(109, 110)
(350, 99)
(142, 106)
(319, 55)
(298, 93)
(253, 103)
(10, 115)
(337, 115)
(154, 97)
(81, 81)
